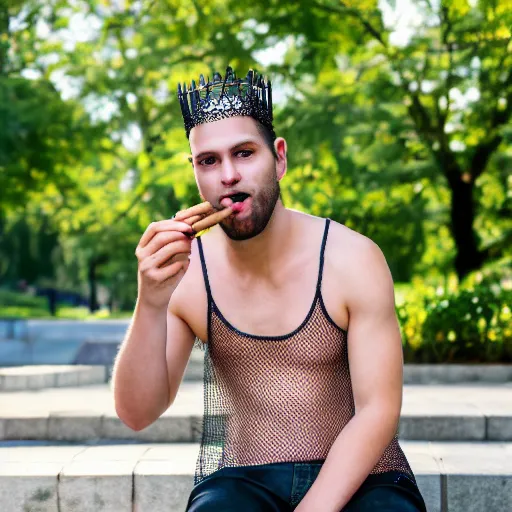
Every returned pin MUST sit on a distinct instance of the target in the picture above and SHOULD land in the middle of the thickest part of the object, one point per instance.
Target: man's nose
(230, 176)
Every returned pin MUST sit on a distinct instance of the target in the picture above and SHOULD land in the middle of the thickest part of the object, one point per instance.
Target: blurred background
(398, 121)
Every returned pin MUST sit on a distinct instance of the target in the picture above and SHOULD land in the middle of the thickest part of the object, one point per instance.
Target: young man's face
(229, 156)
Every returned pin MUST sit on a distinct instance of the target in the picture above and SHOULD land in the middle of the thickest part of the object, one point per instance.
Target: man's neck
(263, 255)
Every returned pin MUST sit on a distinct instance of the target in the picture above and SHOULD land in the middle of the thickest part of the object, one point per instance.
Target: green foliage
(22, 305)
(23, 312)
(42, 138)
(21, 300)
(377, 133)
(471, 324)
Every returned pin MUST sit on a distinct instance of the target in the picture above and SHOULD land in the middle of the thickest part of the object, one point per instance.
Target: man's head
(234, 148)
(233, 155)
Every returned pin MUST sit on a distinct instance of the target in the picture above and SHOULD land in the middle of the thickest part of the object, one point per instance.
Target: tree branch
(485, 149)
(355, 13)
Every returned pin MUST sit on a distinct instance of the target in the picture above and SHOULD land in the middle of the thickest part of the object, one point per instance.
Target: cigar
(198, 209)
(212, 219)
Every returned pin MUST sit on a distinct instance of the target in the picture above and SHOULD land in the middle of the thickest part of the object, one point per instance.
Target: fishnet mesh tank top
(277, 398)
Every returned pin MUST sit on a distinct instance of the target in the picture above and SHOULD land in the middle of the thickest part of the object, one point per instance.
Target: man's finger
(162, 225)
(194, 219)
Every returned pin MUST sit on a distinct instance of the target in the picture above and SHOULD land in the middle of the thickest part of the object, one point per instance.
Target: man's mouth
(238, 198)
(236, 201)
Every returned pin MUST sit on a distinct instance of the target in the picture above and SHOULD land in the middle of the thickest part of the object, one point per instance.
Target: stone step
(452, 477)
(22, 378)
(473, 412)
(101, 349)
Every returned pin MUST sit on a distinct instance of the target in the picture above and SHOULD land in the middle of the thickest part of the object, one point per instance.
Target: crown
(228, 97)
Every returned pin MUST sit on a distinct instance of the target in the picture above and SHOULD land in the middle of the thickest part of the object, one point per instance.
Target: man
(303, 356)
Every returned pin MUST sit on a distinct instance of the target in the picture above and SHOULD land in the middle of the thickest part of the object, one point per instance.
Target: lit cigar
(212, 220)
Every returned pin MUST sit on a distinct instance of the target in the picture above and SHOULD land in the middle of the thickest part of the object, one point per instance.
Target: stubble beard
(262, 208)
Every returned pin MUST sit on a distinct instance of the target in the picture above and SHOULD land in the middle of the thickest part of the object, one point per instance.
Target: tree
(411, 95)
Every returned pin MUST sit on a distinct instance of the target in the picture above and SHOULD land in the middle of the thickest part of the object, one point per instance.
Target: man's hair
(268, 136)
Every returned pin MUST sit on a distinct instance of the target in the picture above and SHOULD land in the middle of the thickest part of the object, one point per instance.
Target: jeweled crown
(228, 97)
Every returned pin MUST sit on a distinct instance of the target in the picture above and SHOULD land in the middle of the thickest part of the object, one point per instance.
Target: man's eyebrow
(236, 146)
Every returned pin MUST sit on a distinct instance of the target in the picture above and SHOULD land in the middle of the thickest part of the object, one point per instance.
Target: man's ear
(282, 164)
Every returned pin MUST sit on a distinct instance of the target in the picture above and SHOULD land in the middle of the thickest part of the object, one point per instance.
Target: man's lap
(270, 489)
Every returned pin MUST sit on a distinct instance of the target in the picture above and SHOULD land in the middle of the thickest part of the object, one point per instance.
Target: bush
(21, 300)
(470, 325)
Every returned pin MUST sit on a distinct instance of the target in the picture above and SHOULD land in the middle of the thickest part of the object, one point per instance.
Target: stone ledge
(456, 373)
(30, 377)
(82, 426)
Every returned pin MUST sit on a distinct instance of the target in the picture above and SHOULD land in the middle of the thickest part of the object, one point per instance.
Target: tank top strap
(322, 254)
(205, 271)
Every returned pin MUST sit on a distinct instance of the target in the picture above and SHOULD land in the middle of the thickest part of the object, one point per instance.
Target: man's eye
(208, 161)
(244, 153)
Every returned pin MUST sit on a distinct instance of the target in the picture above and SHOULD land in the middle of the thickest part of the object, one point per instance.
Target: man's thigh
(231, 494)
(382, 499)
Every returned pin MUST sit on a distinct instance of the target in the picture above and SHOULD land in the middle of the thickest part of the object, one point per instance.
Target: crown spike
(201, 80)
(184, 103)
(193, 96)
(226, 78)
(250, 77)
(217, 77)
(269, 93)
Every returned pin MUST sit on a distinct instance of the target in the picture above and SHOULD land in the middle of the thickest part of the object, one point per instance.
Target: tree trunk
(93, 294)
(94, 263)
(468, 257)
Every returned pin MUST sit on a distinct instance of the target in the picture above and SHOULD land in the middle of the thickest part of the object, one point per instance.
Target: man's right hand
(163, 253)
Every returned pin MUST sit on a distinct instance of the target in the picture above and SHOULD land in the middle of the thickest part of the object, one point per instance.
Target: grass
(20, 305)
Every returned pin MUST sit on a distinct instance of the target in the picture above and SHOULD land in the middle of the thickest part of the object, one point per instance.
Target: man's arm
(376, 369)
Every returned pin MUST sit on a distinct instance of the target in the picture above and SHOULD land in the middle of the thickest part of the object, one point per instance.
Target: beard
(262, 208)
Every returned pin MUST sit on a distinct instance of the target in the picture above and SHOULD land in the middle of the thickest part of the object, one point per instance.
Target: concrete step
(474, 412)
(452, 477)
(91, 346)
(22, 378)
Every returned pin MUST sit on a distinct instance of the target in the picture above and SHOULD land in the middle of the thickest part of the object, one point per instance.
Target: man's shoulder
(351, 252)
(347, 241)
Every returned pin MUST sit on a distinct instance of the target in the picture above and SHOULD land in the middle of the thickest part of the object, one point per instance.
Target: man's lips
(236, 207)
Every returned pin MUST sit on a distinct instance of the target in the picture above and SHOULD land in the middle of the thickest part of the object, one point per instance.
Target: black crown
(228, 97)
